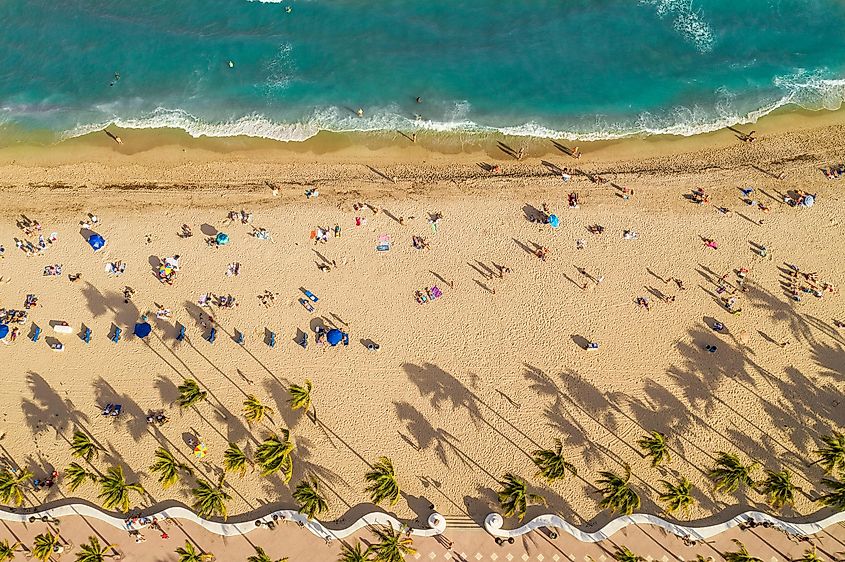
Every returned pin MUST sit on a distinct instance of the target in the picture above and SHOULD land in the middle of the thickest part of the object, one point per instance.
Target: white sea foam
(687, 21)
(801, 89)
(281, 69)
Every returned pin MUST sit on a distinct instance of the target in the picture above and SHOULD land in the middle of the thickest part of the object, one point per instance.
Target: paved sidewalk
(469, 545)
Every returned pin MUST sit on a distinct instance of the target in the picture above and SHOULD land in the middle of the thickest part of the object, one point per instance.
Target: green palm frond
(393, 545)
(254, 410)
(300, 396)
(261, 556)
(351, 553)
(76, 476)
(8, 551)
(114, 490)
(274, 455)
(168, 468)
(83, 446)
(552, 464)
(44, 546)
(311, 501)
(730, 474)
(677, 496)
(740, 555)
(190, 394)
(189, 553)
(617, 494)
(622, 554)
(514, 497)
(93, 551)
(210, 500)
(235, 460)
(381, 482)
(832, 453)
(778, 488)
(655, 446)
(835, 498)
(12, 485)
(809, 556)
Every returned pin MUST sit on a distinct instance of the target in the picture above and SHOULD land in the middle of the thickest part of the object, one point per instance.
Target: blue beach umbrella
(222, 239)
(96, 241)
(143, 329)
(4, 331)
(554, 221)
(334, 337)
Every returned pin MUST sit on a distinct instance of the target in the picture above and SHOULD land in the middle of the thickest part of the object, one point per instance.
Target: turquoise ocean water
(586, 69)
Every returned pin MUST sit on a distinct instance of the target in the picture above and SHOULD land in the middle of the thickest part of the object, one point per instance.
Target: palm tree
(167, 468)
(677, 496)
(7, 551)
(622, 554)
(381, 482)
(514, 497)
(835, 498)
(83, 446)
(655, 446)
(809, 556)
(778, 488)
(261, 556)
(740, 555)
(189, 553)
(12, 484)
(190, 394)
(115, 490)
(235, 460)
(44, 546)
(311, 501)
(553, 466)
(210, 500)
(617, 492)
(300, 397)
(729, 473)
(354, 553)
(393, 545)
(254, 410)
(76, 476)
(92, 551)
(832, 454)
(273, 455)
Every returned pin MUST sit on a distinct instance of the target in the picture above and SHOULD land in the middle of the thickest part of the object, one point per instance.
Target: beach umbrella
(808, 201)
(334, 337)
(554, 221)
(4, 331)
(96, 241)
(143, 329)
(222, 239)
(200, 450)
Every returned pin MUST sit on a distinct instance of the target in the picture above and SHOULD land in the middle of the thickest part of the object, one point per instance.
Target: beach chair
(116, 336)
(239, 337)
(107, 410)
(86, 336)
(36, 334)
(383, 243)
(181, 335)
(116, 410)
(304, 341)
(306, 304)
(212, 335)
(272, 340)
(310, 295)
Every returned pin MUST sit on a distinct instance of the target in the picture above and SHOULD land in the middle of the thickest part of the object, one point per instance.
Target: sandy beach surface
(463, 388)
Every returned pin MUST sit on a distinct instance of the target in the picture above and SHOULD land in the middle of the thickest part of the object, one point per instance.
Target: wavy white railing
(493, 524)
(436, 522)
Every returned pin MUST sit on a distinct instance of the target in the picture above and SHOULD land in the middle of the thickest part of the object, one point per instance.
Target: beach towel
(383, 244)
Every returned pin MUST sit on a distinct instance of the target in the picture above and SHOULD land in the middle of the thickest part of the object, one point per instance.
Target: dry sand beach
(463, 388)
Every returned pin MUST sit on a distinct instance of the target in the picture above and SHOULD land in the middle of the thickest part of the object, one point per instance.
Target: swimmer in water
(231, 64)
(288, 9)
(419, 99)
(360, 112)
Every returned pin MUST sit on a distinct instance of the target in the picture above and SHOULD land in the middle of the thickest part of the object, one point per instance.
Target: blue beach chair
(36, 333)
(272, 340)
(212, 335)
(116, 336)
(181, 335)
(239, 337)
(311, 295)
(86, 336)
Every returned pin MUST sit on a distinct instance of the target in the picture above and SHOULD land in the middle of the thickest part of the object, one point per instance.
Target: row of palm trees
(729, 474)
(741, 554)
